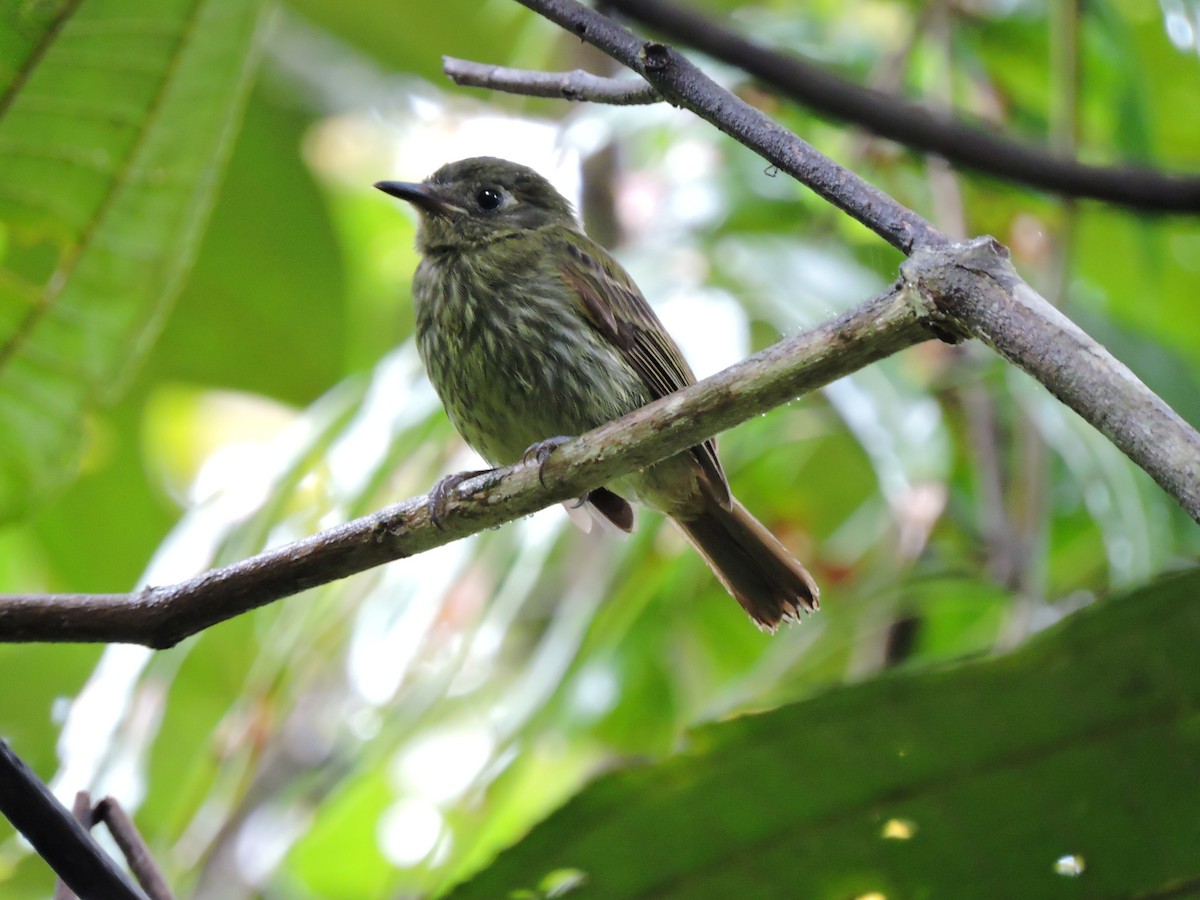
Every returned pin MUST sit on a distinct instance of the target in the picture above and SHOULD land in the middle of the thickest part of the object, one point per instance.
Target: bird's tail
(754, 566)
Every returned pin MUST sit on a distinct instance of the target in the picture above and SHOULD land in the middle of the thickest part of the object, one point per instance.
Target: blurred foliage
(114, 131)
(899, 787)
(392, 733)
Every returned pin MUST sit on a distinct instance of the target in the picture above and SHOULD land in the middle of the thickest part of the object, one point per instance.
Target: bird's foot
(440, 495)
(541, 451)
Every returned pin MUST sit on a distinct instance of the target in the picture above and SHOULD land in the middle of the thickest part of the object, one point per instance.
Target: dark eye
(488, 198)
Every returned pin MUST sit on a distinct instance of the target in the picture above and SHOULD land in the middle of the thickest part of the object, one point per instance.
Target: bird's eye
(488, 198)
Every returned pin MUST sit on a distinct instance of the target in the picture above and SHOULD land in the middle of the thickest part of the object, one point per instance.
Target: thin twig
(575, 85)
(1029, 502)
(133, 848)
(60, 840)
(914, 125)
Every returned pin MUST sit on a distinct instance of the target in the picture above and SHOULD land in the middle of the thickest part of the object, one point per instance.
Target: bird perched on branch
(530, 331)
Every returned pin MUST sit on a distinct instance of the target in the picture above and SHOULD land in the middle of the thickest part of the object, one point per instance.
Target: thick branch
(1073, 366)
(682, 84)
(162, 616)
(576, 85)
(967, 289)
(914, 125)
(975, 287)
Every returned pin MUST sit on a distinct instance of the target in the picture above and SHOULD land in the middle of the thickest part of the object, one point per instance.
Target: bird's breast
(512, 357)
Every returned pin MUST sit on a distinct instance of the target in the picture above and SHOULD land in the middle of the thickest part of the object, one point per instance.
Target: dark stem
(60, 840)
(133, 848)
(914, 125)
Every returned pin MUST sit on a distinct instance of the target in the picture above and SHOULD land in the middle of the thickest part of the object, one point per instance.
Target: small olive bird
(531, 331)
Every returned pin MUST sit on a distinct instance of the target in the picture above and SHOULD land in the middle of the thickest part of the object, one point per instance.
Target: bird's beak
(421, 196)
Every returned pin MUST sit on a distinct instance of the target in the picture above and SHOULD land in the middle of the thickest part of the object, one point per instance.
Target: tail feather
(613, 508)
(754, 566)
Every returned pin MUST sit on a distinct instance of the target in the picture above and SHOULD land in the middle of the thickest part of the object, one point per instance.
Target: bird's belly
(526, 377)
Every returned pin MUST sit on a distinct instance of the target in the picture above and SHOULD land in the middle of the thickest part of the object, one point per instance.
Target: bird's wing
(613, 304)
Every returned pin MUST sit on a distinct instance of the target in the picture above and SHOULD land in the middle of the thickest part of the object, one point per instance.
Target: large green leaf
(26, 29)
(999, 778)
(114, 133)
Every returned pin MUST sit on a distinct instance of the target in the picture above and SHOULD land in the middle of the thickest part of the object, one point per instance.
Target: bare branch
(914, 125)
(60, 840)
(133, 848)
(162, 616)
(975, 286)
(682, 84)
(982, 298)
(576, 85)
(963, 290)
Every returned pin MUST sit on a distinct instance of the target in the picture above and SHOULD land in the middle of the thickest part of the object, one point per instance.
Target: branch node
(937, 277)
(655, 56)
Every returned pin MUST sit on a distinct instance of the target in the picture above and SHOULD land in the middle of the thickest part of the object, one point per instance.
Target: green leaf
(26, 29)
(113, 137)
(294, 294)
(994, 779)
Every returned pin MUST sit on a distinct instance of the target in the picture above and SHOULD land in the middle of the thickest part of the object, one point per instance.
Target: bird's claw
(439, 496)
(541, 451)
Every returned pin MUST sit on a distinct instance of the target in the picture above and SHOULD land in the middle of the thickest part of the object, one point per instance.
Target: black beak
(421, 196)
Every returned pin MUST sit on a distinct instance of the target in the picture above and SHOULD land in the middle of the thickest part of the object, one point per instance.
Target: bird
(531, 333)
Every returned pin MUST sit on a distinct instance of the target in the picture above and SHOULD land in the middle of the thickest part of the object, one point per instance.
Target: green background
(205, 349)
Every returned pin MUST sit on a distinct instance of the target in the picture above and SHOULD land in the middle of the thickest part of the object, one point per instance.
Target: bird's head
(474, 201)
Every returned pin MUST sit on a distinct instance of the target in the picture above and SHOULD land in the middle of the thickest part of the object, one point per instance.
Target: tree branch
(133, 848)
(682, 84)
(576, 85)
(966, 289)
(914, 125)
(160, 617)
(950, 290)
(1073, 366)
(975, 286)
(61, 841)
